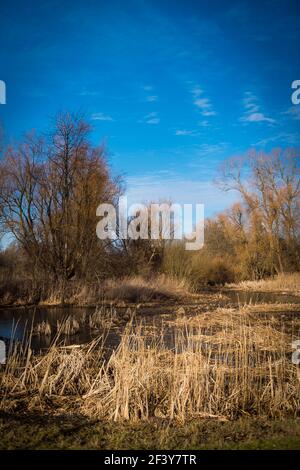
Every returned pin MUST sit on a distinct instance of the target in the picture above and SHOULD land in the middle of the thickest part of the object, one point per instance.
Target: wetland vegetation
(143, 335)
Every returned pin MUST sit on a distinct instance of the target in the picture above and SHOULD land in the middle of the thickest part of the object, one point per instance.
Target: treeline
(257, 237)
(51, 185)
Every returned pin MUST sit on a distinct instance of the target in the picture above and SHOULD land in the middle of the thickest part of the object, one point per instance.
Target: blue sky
(173, 87)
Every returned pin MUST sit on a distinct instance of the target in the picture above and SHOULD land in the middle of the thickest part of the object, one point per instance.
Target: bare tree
(49, 191)
(270, 188)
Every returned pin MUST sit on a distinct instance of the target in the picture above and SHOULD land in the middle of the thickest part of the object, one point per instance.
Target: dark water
(246, 297)
(16, 323)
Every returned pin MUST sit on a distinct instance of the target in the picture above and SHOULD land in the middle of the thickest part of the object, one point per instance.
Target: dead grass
(223, 365)
(287, 282)
(137, 289)
(132, 289)
(43, 328)
(103, 318)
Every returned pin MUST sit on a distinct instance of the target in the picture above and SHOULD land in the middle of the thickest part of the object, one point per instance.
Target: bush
(219, 272)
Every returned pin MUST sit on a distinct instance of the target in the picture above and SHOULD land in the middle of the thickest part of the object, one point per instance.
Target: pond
(16, 323)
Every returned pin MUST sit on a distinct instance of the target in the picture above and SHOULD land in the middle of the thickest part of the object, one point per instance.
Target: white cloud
(253, 111)
(151, 118)
(251, 102)
(204, 104)
(196, 91)
(294, 112)
(208, 113)
(184, 132)
(283, 138)
(257, 117)
(163, 186)
(152, 98)
(147, 88)
(203, 124)
(101, 117)
(153, 121)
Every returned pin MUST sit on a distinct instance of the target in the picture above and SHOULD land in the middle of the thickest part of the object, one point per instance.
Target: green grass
(61, 432)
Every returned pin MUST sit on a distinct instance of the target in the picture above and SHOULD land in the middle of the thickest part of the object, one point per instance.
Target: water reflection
(17, 323)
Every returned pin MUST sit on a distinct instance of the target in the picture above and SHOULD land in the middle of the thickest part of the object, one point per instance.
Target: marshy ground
(36, 431)
(213, 373)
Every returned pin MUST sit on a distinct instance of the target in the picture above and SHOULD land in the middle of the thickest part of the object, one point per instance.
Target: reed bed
(222, 365)
(138, 289)
(42, 329)
(286, 282)
(103, 318)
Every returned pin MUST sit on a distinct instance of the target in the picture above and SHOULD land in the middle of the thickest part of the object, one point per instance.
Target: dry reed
(286, 282)
(220, 365)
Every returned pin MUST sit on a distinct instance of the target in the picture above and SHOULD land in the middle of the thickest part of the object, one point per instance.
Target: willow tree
(50, 188)
(269, 184)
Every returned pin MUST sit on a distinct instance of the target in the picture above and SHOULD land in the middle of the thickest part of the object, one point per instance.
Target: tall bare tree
(270, 188)
(49, 191)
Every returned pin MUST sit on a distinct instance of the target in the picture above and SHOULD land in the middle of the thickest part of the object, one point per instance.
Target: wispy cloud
(205, 106)
(160, 186)
(253, 112)
(250, 102)
(204, 123)
(206, 156)
(283, 138)
(151, 118)
(101, 117)
(212, 149)
(257, 117)
(152, 98)
(184, 132)
(202, 103)
(196, 91)
(147, 88)
(86, 92)
(293, 112)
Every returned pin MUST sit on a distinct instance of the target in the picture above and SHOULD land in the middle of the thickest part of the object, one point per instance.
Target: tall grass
(128, 289)
(289, 282)
(221, 366)
(139, 289)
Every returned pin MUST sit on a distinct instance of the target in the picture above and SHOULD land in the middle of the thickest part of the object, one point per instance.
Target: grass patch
(65, 432)
(287, 282)
(138, 289)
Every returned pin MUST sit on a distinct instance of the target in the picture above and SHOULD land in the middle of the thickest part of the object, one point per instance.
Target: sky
(172, 87)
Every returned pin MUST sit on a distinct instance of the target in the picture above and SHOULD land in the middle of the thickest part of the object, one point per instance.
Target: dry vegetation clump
(286, 282)
(228, 327)
(75, 293)
(223, 364)
(109, 316)
(103, 318)
(43, 328)
(139, 289)
(68, 327)
(131, 289)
